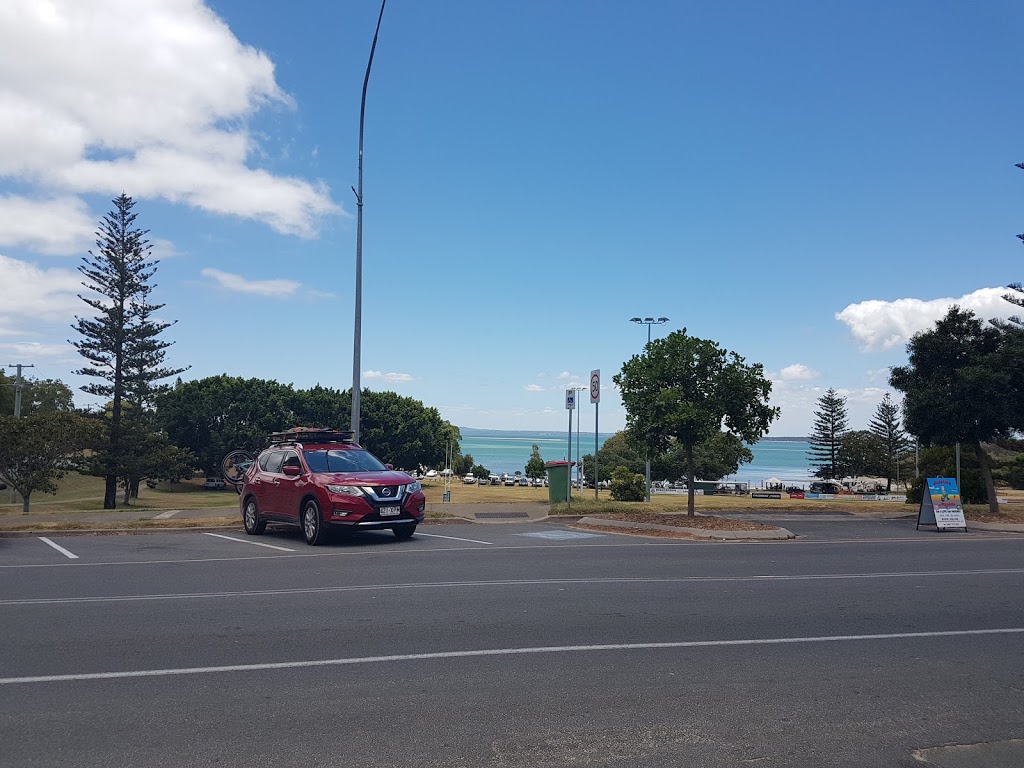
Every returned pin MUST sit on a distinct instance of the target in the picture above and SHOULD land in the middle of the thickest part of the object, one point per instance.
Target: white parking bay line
(454, 538)
(246, 541)
(59, 548)
(166, 515)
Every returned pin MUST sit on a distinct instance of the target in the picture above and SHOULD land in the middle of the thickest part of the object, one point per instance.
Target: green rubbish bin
(558, 481)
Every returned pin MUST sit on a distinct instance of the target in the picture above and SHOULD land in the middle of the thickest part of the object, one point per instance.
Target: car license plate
(390, 511)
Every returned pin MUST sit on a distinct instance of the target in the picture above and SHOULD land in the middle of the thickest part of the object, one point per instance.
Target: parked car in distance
(320, 480)
(446, 472)
(469, 480)
(214, 484)
(494, 480)
(510, 480)
(431, 473)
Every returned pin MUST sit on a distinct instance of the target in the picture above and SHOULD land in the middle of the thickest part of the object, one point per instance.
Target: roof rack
(311, 435)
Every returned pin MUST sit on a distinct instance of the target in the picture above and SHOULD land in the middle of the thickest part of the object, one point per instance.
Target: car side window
(274, 462)
(291, 459)
(264, 459)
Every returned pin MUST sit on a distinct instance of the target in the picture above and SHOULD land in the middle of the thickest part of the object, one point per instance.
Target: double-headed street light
(648, 321)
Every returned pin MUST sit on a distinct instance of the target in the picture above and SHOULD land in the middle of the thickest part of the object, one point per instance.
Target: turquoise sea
(508, 451)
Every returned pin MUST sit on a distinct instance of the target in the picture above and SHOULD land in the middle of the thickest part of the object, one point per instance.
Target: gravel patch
(703, 522)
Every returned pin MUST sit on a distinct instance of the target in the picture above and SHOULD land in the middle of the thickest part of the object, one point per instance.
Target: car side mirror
(292, 471)
(389, 466)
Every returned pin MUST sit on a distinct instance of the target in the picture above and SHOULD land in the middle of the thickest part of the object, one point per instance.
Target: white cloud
(172, 124)
(30, 350)
(533, 388)
(239, 284)
(61, 225)
(564, 375)
(884, 324)
(391, 377)
(29, 294)
(796, 372)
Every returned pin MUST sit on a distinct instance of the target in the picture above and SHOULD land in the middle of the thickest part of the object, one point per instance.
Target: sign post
(570, 406)
(595, 398)
(940, 505)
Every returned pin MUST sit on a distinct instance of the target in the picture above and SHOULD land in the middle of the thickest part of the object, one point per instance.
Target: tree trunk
(24, 503)
(986, 474)
(690, 512)
(127, 494)
(135, 488)
(110, 493)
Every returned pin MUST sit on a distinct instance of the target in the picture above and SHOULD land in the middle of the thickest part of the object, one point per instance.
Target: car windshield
(349, 460)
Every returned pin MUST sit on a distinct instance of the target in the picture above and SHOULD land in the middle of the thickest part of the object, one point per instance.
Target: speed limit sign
(595, 386)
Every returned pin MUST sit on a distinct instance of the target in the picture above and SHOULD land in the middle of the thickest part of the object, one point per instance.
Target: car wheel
(251, 519)
(312, 528)
(404, 531)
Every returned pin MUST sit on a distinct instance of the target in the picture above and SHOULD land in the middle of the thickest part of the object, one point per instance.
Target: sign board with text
(940, 505)
(570, 399)
(595, 386)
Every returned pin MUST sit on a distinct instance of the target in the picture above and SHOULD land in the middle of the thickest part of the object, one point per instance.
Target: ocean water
(509, 451)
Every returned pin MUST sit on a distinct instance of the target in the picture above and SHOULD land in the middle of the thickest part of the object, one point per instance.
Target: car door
(266, 481)
(288, 491)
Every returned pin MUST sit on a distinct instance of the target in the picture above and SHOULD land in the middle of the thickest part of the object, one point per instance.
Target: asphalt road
(512, 646)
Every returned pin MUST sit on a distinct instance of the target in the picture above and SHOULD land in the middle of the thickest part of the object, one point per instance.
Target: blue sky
(806, 183)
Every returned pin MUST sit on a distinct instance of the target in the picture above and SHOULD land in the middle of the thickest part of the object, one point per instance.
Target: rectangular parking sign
(570, 400)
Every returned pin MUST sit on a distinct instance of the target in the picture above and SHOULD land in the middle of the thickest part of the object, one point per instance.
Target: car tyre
(312, 525)
(404, 531)
(251, 519)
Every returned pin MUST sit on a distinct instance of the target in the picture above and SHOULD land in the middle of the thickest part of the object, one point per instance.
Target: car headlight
(413, 487)
(348, 490)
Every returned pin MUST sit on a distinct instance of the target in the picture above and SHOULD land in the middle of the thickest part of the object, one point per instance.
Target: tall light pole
(358, 325)
(648, 321)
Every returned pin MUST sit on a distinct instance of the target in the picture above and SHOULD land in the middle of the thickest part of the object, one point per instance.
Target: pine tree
(120, 342)
(885, 425)
(1017, 297)
(830, 424)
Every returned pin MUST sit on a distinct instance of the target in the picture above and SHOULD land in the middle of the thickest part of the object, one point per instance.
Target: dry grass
(685, 521)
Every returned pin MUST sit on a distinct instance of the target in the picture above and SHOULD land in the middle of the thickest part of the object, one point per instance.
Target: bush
(972, 487)
(628, 486)
(1013, 473)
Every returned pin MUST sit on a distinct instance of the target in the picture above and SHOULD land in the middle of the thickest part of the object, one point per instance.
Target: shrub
(628, 486)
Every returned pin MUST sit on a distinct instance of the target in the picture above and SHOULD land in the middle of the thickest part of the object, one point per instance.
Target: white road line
(509, 583)
(454, 538)
(505, 652)
(645, 543)
(59, 548)
(246, 541)
(167, 515)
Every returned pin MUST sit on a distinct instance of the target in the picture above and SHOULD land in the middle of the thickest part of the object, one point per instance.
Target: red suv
(320, 480)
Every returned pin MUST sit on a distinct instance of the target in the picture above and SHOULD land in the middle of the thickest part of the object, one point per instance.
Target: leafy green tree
(480, 471)
(535, 465)
(885, 425)
(124, 355)
(687, 389)
(213, 416)
(940, 461)
(830, 424)
(718, 456)
(404, 432)
(462, 464)
(617, 451)
(36, 395)
(628, 486)
(861, 453)
(39, 449)
(149, 455)
(955, 386)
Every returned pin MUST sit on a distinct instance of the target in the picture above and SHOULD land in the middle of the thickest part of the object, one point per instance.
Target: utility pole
(19, 384)
(648, 321)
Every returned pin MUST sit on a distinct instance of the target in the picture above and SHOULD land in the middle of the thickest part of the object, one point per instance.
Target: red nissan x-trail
(320, 480)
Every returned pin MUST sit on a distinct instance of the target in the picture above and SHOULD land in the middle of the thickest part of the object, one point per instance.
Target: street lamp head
(635, 320)
(662, 319)
(648, 319)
